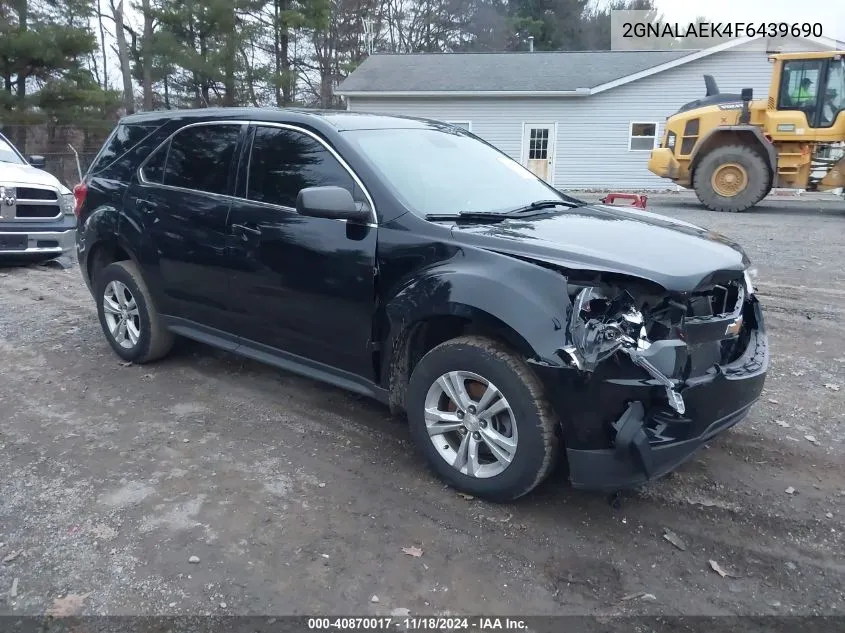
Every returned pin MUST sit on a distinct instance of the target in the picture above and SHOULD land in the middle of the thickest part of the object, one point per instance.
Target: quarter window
(200, 158)
(285, 161)
(124, 138)
(642, 136)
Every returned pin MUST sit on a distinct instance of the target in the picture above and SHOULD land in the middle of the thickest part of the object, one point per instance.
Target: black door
(182, 204)
(300, 284)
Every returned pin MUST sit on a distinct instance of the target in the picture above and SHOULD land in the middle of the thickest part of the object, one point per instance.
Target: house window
(467, 125)
(538, 144)
(642, 136)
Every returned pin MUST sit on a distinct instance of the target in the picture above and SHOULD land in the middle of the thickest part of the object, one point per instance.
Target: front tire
(478, 414)
(128, 315)
(731, 178)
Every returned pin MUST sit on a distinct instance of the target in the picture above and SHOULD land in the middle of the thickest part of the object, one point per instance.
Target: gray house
(577, 119)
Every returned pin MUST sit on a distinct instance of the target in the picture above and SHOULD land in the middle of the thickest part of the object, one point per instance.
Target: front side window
(200, 157)
(833, 95)
(642, 136)
(435, 171)
(8, 153)
(284, 161)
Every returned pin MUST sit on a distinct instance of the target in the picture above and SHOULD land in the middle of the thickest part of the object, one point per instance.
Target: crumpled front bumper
(649, 443)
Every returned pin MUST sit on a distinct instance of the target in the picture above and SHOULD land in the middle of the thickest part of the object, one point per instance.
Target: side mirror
(747, 94)
(335, 203)
(39, 162)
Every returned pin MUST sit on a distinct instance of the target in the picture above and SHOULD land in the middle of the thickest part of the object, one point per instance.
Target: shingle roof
(495, 72)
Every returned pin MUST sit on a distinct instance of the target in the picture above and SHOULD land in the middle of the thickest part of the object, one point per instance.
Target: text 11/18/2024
(418, 623)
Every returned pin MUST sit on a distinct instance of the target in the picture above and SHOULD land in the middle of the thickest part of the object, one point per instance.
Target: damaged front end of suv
(656, 373)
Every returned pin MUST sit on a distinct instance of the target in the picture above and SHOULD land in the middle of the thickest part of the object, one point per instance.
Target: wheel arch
(99, 242)
(106, 251)
(527, 317)
(747, 135)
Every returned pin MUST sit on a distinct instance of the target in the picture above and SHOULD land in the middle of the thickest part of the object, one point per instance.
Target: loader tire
(731, 178)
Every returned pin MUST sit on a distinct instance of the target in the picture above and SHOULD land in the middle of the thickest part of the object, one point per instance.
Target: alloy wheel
(471, 424)
(121, 313)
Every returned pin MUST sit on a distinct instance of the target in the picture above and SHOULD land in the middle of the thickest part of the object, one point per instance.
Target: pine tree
(43, 49)
(198, 49)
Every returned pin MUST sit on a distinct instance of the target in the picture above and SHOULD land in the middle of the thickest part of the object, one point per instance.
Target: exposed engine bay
(658, 334)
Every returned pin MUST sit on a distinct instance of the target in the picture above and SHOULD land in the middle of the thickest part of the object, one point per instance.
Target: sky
(830, 13)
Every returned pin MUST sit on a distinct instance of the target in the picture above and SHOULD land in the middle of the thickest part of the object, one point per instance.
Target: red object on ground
(639, 201)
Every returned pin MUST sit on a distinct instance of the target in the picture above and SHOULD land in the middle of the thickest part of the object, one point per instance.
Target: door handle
(146, 206)
(246, 231)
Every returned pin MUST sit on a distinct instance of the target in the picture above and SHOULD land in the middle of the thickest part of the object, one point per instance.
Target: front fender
(529, 300)
(752, 133)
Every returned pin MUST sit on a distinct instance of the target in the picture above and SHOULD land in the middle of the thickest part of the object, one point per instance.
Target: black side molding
(275, 357)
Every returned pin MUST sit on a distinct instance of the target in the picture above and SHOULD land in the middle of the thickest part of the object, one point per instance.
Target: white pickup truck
(37, 221)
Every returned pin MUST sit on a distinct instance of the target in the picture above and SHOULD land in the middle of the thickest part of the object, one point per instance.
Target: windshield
(448, 172)
(8, 153)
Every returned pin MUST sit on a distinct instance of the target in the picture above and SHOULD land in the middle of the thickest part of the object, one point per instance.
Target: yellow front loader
(732, 150)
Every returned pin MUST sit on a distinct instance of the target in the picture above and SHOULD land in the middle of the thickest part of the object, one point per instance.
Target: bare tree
(281, 57)
(147, 55)
(103, 48)
(123, 54)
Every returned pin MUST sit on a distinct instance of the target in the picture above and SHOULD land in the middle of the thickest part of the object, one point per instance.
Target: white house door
(538, 149)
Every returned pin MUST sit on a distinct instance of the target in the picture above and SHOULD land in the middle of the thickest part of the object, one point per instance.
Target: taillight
(80, 192)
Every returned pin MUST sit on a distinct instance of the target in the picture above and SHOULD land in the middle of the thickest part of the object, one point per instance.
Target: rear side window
(124, 138)
(200, 158)
(153, 169)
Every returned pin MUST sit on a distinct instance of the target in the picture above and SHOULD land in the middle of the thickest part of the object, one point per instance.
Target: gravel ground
(297, 498)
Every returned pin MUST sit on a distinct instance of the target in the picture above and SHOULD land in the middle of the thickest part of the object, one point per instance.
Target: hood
(27, 175)
(674, 254)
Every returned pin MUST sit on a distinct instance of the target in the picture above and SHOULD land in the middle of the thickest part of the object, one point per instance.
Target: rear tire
(123, 297)
(515, 448)
(715, 180)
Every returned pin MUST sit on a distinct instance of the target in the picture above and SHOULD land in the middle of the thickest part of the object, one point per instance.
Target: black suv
(410, 261)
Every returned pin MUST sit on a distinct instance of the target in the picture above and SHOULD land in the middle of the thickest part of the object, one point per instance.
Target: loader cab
(814, 86)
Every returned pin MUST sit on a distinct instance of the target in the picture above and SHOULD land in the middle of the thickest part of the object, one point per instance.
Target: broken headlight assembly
(750, 275)
(601, 325)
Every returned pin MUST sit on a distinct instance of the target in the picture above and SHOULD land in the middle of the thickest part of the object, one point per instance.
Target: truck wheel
(478, 414)
(731, 178)
(128, 315)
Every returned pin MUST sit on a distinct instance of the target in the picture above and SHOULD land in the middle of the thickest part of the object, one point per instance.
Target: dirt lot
(298, 498)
